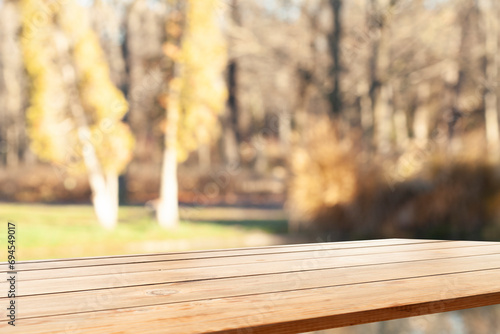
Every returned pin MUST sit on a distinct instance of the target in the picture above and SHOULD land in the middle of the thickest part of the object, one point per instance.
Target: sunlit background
(145, 126)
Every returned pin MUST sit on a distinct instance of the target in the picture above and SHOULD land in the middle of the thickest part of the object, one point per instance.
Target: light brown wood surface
(277, 289)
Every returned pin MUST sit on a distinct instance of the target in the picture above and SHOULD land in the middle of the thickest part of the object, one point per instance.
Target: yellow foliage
(202, 89)
(52, 127)
(324, 173)
(47, 111)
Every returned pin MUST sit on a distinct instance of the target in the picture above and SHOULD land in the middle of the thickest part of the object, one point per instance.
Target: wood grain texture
(224, 253)
(316, 252)
(284, 289)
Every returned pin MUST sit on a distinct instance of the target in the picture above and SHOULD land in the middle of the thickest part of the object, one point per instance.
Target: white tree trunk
(105, 199)
(104, 186)
(421, 119)
(168, 206)
(167, 212)
(383, 119)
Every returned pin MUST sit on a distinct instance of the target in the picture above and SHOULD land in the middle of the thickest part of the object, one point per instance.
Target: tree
(381, 88)
(231, 133)
(491, 96)
(75, 114)
(467, 65)
(12, 85)
(336, 70)
(196, 92)
(107, 23)
(145, 34)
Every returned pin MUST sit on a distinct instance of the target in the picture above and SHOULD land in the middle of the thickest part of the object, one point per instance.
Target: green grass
(62, 231)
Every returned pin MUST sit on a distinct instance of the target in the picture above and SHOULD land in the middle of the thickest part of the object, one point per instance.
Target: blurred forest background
(361, 119)
(365, 118)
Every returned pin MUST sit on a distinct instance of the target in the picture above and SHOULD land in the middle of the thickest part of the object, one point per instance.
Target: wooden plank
(121, 268)
(113, 260)
(277, 312)
(361, 243)
(117, 279)
(144, 295)
(286, 289)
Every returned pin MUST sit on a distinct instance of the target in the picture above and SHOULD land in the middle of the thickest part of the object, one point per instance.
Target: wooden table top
(278, 289)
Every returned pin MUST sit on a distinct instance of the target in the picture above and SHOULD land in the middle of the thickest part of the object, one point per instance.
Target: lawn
(63, 231)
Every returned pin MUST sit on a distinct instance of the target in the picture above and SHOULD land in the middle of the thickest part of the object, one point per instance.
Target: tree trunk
(469, 22)
(335, 97)
(11, 85)
(401, 128)
(230, 144)
(421, 119)
(204, 159)
(450, 78)
(168, 205)
(104, 186)
(232, 136)
(167, 212)
(107, 22)
(305, 85)
(12, 146)
(145, 34)
(383, 118)
(379, 64)
(365, 105)
(491, 97)
(105, 198)
(285, 131)
(231, 133)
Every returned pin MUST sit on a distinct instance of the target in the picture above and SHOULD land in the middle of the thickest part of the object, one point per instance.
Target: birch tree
(76, 111)
(196, 92)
